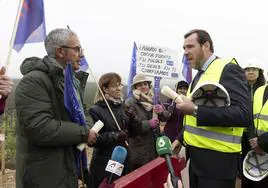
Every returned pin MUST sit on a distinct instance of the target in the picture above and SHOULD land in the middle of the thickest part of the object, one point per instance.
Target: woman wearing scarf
(142, 147)
(110, 136)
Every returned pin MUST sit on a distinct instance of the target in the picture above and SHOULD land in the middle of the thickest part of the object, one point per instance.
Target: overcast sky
(108, 28)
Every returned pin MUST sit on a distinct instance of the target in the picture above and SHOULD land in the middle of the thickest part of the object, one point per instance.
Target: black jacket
(107, 139)
(213, 164)
(45, 135)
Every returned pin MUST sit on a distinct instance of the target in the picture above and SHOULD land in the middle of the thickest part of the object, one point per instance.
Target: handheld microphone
(171, 94)
(115, 164)
(163, 148)
(96, 127)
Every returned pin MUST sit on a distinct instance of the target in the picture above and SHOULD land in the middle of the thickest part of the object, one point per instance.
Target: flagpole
(15, 28)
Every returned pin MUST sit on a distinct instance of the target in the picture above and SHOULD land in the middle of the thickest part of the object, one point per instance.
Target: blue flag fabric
(31, 26)
(186, 70)
(132, 72)
(75, 111)
(83, 65)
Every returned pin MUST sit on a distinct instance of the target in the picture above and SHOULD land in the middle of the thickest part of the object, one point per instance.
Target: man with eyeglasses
(46, 137)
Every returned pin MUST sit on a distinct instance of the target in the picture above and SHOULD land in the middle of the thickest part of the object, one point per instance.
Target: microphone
(96, 127)
(171, 94)
(115, 164)
(163, 148)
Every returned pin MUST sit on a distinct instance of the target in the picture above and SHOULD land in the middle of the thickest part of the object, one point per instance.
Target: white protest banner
(157, 61)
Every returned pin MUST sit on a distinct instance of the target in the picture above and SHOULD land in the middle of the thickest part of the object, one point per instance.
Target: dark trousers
(204, 182)
(246, 183)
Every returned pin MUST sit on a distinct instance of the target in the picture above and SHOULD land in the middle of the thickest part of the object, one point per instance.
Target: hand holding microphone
(92, 136)
(163, 148)
(171, 94)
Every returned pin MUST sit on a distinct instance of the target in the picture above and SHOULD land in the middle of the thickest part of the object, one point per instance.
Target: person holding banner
(119, 125)
(5, 89)
(46, 136)
(143, 146)
(213, 134)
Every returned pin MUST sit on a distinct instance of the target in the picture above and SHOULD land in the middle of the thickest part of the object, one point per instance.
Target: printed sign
(157, 61)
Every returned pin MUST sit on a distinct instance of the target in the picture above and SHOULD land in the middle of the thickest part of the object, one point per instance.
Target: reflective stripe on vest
(223, 139)
(213, 135)
(260, 111)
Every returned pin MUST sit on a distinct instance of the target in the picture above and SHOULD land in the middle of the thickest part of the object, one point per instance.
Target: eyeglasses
(120, 86)
(251, 69)
(78, 49)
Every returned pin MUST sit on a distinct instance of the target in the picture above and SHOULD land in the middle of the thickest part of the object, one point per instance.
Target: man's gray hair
(57, 38)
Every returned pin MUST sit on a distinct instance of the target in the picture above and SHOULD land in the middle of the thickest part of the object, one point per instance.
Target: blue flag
(132, 71)
(186, 70)
(75, 111)
(31, 26)
(83, 65)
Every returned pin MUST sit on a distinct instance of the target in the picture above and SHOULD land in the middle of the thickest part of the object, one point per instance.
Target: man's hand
(176, 148)
(254, 145)
(168, 183)
(187, 106)
(92, 137)
(5, 84)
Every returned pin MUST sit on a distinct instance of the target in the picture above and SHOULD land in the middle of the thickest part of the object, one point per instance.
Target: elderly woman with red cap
(142, 147)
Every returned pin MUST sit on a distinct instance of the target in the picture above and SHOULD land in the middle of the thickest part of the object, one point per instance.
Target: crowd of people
(217, 139)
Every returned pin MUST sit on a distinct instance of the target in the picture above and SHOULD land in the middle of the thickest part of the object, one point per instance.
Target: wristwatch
(195, 110)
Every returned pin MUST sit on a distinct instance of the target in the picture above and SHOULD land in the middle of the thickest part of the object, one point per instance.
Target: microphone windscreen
(163, 146)
(119, 154)
(171, 94)
(97, 126)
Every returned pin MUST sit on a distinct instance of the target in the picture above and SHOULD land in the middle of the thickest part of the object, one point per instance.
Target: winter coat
(45, 136)
(107, 139)
(143, 145)
(174, 123)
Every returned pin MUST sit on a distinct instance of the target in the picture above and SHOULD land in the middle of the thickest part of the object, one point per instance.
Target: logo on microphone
(163, 145)
(114, 167)
(161, 142)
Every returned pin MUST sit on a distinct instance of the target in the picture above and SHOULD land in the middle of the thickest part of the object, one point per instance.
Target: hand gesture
(92, 137)
(153, 123)
(5, 84)
(158, 109)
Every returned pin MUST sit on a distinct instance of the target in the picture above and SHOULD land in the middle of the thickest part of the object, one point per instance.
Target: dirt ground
(8, 179)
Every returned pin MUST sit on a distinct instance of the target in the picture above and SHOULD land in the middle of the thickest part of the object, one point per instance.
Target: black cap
(182, 84)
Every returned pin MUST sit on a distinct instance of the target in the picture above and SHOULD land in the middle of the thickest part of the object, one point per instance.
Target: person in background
(213, 134)
(5, 89)
(255, 79)
(259, 142)
(254, 75)
(46, 137)
(143, 146)
(174, 123)
(110, 136)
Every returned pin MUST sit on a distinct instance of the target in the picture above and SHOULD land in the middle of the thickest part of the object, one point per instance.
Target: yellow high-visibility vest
(260, 111)
(222, 139)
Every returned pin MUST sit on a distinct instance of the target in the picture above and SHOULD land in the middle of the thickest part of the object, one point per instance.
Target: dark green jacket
(45, 135)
